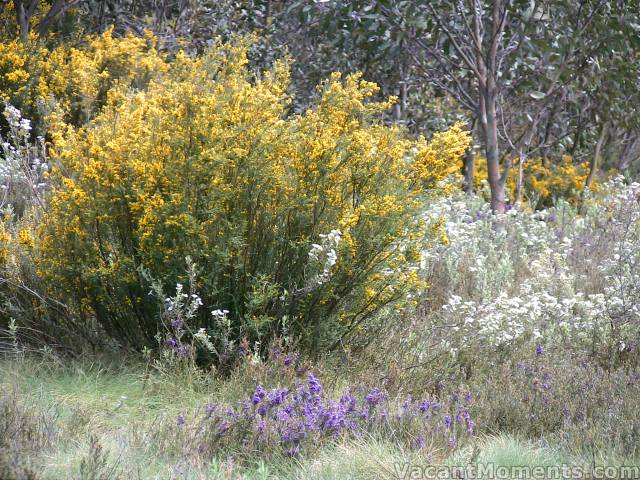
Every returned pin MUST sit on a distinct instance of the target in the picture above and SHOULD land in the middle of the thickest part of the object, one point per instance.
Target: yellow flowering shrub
(441, 156)
(18, 69)
(5, 239)
(312, 218)
(17, 249)
(73, 81)
(564, 179)
(544, 183)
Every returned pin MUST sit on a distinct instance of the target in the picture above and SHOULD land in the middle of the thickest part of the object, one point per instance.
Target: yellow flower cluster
(5, 239)
(16, 68)
(555, 180)
(74, 81)
(544, 181)
(440, 157)
(17, 242)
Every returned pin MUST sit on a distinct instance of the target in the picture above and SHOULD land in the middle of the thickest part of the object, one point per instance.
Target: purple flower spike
(375, 396)
(223, 429)
(293, 451)
(314, 385)
(539, 350)
(180, 420)
(258, 395)
(182, 351)
(470, 425)
(448, 421)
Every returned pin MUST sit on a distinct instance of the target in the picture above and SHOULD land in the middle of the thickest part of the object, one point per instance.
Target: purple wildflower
(180, 420)
(365, 413)
(470, 425)
(539, 350)
(222, 429)
(314, 385)
(349, 401)
(182, 351)
(375, 396)
(276, 351)
(293, 451)
(279, 397)
(448, 421)
(258, 395)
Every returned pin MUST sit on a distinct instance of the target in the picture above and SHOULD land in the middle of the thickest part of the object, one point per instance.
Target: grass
(90, 421)
(104, 417)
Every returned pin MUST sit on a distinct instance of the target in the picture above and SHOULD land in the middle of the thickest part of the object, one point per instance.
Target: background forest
(319, 239)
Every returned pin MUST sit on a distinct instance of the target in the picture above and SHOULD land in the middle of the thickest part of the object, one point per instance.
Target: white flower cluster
(205, 339)
(14, 117)
(23, 164)
(549, 275)
(325, 253)
(183, 304)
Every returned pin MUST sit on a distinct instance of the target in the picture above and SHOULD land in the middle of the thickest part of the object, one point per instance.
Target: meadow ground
(521, 362)
(91, 421)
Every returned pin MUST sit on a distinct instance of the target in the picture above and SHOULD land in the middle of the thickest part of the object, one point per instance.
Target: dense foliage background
(268, 238)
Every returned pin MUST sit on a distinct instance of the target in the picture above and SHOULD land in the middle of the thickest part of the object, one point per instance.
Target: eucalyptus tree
(509, 62)
(513, 65)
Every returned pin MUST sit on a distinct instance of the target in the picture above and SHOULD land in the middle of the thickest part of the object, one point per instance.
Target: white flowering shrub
(23, 164)
(549, 277)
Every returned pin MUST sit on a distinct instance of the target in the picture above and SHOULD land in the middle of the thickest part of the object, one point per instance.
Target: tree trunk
(595, 162)
(23, 20)
(58, 7)
(496, 180)
(520, 187)
(629, 152)
(400, 107)
(469, 164)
